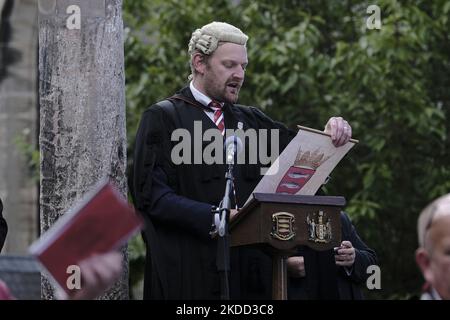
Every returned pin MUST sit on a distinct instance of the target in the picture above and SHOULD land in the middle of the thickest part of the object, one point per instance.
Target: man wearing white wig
(177, 198)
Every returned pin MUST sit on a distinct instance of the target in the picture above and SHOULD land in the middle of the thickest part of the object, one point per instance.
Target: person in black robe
(329, 274)
(3, 227)
(176, 199)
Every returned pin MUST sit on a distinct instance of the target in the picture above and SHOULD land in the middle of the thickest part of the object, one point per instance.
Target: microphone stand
(221, 219)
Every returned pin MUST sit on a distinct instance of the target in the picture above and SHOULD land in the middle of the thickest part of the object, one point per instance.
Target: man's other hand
(98, 273)
(345, 254)
(296, 266)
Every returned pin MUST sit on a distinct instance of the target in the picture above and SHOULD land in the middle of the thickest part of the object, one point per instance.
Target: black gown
(324, 280)
(3, 227)
(177, 199)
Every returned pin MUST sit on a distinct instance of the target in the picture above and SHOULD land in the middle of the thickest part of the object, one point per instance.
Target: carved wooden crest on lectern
(319, 227)
(283, 226)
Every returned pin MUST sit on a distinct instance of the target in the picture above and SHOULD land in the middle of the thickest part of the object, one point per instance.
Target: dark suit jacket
(325, 280)
(3, 227)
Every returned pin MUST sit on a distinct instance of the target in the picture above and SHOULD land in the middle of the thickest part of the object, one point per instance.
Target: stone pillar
(82, 100)
(18, 118)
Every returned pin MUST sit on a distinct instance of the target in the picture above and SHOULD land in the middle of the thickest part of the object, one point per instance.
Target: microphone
(233, 146)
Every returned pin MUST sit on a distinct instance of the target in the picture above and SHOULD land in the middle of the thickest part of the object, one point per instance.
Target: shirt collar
(199, 96)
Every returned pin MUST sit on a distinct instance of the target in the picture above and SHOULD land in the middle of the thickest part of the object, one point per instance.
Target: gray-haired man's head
(433, 254)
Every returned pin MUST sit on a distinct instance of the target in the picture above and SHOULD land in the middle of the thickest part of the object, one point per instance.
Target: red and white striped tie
(218, 115)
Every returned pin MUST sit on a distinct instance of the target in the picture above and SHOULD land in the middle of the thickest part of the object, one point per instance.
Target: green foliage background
(310, 60)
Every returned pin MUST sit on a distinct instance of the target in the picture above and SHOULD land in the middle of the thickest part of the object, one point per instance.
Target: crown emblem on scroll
(310, 160)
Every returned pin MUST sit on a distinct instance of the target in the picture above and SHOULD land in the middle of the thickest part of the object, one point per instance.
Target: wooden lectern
(282, 222)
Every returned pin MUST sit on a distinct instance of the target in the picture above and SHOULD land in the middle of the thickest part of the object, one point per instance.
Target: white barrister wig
(208, 37)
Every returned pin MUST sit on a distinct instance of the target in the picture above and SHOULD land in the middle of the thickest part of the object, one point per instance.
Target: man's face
(224, 72)
(439, 267)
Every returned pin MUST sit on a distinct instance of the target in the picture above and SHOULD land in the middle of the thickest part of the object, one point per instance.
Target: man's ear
(423, 261)
(198, 61)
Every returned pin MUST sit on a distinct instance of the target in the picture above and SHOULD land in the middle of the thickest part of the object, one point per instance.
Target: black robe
(177, 199)
(3, 227)
(326, 281)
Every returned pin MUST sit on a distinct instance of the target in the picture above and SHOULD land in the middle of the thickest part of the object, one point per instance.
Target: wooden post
(279, 280)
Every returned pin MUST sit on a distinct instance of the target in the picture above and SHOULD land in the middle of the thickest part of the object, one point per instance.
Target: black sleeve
(147, 145)
(365, 256)
(154, 174)
(3, 227)
(170, 208)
